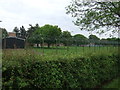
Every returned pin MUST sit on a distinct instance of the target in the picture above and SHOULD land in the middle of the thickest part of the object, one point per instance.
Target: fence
(62, 46)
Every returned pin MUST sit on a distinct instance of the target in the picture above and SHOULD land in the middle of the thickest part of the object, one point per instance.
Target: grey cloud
(25, 12)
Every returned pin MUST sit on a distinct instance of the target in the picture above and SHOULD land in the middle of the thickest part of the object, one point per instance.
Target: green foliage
(22, 32)
(80, 39)
(27, 69)
(32, 29)
(16, 30)
(49, 33)
(93, 37)
(66, 38)
(92, 16)
(35, 37)
(4, 32)
(66, 34)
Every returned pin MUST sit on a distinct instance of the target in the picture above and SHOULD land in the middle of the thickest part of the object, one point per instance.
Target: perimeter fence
(62, 45)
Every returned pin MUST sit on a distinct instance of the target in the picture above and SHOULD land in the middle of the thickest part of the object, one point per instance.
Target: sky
(24, 12)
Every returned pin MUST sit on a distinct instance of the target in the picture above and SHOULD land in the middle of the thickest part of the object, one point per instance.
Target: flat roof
(15, 37)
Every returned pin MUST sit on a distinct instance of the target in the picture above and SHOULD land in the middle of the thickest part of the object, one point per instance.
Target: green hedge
(80, 72)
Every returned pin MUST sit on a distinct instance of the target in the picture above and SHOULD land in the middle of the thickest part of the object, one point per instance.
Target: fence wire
(63, 46)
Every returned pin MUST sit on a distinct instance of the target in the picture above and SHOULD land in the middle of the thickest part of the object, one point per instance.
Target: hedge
(80, 72)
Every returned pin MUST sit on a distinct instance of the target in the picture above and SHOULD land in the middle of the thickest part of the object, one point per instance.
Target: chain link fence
(70, 45)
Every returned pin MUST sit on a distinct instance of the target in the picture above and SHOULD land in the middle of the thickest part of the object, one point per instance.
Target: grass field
(73, 49)
(59, 52)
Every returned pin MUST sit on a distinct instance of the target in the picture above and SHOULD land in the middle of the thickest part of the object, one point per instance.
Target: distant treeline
(50, 34)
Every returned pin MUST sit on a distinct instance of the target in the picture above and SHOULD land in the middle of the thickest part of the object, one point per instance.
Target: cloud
(16, 12)
(24, 12)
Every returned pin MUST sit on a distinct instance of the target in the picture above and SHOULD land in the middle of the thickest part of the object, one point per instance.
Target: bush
(31, 71)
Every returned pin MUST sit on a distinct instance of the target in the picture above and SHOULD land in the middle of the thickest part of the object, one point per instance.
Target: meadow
(59, 67)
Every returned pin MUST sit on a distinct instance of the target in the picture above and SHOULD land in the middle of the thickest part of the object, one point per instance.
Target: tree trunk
(41, 45)
(48, 45)
(37, 45)
(25, 46)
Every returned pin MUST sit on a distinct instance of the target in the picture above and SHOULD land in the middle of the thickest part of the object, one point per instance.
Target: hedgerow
(32, 71)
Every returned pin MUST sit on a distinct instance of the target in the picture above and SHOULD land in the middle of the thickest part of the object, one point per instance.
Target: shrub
(32, 71)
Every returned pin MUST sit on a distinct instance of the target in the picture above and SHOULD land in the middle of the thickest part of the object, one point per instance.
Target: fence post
(76, 46)
(56, 47)
(43, 45)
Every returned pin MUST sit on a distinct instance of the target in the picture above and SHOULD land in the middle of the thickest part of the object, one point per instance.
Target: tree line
(51, 34)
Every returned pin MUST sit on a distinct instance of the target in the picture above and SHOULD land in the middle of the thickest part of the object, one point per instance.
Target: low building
(13, 42)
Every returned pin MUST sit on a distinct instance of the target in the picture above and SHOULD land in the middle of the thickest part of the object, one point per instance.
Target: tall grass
(54, 54)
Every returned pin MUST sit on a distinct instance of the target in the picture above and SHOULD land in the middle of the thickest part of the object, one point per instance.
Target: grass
(72, 49)
(60, 51)
(54, 54)
(113, 84)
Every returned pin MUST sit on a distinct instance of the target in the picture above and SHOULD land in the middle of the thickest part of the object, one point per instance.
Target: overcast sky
(24, 12)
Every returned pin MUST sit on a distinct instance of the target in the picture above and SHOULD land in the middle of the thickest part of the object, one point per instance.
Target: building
(13, 42)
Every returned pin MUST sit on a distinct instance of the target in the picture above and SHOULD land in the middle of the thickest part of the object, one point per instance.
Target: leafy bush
(34, 71)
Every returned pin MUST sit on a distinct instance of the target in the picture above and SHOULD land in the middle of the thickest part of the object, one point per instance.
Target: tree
(50, 34)
(4, 32)
(66, 37)
(94, 39)
(110, 41)
(31, 36)
(35, 38)
(80, 39)
(114, 41)
(92, 16)
(32, 29)
(22, 32)
(16, 30)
